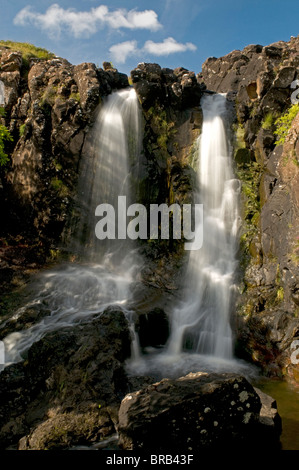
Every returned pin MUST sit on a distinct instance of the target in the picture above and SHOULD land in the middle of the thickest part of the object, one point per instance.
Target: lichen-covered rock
(10, 75)
(197, 412)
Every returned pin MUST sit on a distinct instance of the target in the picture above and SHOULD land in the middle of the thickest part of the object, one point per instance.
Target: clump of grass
(280, 294)
(48, 96)
(284, 122)
(59, 186)
(75, 96)
(5, 136)
(268, 121)
(22, 129)
(28, 50)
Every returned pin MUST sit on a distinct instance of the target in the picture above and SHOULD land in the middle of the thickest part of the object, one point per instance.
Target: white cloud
(168, 46)
(85, 23)
(120, 52)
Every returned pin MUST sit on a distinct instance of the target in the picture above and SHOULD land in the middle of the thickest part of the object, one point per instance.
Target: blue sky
(171, 33)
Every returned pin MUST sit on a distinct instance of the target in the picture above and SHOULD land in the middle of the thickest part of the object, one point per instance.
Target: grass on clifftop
(28, 50)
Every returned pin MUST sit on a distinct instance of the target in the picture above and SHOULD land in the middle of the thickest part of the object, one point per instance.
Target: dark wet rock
(68, 389)
(269, 416)
(177, 88)
(197, 412)
(170, 101)
(152, 328)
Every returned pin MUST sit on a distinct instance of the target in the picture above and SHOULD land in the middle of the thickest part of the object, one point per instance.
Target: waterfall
(76, 291)
(112, 148)
(202, 322)
(201, 335)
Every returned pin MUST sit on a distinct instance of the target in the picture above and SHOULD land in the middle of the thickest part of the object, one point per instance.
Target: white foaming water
(201, 335)
(202, 322)
(76, 292)
(111, 148)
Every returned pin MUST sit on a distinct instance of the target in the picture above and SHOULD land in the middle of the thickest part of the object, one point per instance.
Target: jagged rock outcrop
(198, 412)
(260, 79)
(176, 88)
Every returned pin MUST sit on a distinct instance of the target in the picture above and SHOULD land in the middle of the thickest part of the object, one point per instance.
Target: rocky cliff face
(260, 79)
(172, 121)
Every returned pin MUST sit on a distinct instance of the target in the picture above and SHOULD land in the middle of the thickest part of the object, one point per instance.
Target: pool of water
(287, 398)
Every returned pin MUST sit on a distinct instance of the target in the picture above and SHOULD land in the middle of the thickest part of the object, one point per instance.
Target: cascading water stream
(201, 335)
(202, 322)
(75, 292)
(112, 147)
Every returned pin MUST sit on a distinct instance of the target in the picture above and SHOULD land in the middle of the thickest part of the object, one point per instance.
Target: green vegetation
(75, 96)
(284, 122)
(164, 129)
(249, 174)
(59, 186)
(269, 121)
(54, 254)
(58, 166)
(254, 109)
(280, 294)
(22, 129)
(28, 50)
(239, 136)
(4, 137)
(49, 95)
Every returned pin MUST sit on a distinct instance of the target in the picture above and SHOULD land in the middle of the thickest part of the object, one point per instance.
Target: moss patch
(284, 122)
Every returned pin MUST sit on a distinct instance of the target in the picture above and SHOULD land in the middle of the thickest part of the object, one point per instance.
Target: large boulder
(197, 412)
(68, 389)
